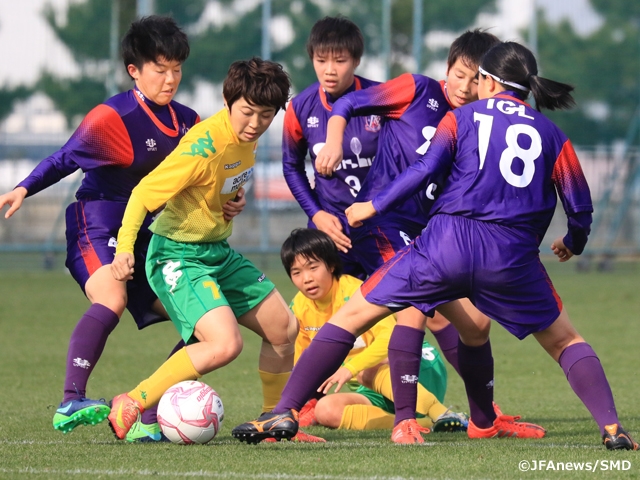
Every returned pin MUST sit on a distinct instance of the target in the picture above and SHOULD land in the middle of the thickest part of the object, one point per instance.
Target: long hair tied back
(516, 64)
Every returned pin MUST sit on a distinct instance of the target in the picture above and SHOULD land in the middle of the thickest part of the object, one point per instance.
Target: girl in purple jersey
(116, 145)
(504, 162)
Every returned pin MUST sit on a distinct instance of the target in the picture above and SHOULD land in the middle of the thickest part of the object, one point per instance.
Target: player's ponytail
(515, 67)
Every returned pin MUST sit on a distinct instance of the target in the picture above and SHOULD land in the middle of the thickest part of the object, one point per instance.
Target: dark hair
(311, 244)
(515, 63)
(151, 38)
(335, 34)
(260, 82)
(470, 47)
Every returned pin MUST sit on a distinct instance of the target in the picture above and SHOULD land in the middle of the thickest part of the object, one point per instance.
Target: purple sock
(584, 372)
(150, 415)
(447, 339)
(317, 363)
(405, 353)
(85, 347)
(476, 370)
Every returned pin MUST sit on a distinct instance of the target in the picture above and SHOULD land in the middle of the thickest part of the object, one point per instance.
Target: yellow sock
(427, 403)
(365, 417)
(272, 386)
(177, 368)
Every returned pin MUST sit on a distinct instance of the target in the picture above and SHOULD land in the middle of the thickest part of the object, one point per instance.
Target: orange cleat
(307, 417)
(506, 426)
(408, 432)
(300, 437)
(125, 411)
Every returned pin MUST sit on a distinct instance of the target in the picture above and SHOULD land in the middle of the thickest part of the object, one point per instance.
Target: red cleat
(125, 411)
(408, 432)
(307, 417)
(506, 426)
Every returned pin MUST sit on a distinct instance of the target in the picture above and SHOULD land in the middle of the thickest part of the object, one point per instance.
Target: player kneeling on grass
(505, 164)
(207, 288)
(313, 263)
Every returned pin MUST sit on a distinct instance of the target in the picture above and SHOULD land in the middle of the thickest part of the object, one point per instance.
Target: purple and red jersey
(305, 130)
(117, 143)
(411, 106)
(504, 162)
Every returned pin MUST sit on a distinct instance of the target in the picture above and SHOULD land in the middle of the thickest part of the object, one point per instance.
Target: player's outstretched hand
(358, 212)
(330, 224)
(328, 158)
(14, 199)
(560, 250)
(122, 266)
(342, 376)
(235, 206)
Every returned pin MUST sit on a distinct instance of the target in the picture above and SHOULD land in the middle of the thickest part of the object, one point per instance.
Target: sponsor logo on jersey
(171, 274)
(433, 104)
(372, 123)
(231, 166)
(262, 278)
(311, 329)
(313, 122)
(151, 145)
(409, 378)
(233, 184)
(82, 363)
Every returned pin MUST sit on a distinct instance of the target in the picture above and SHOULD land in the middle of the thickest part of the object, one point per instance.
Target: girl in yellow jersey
(207, 288)
(312, 261)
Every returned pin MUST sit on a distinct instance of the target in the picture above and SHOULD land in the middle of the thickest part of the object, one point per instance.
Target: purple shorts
(377, 241)
(92, 230)
(497, 267)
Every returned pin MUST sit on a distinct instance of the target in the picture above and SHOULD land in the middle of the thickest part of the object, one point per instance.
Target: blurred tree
(86, 33)
(10, 95)
(604, 67)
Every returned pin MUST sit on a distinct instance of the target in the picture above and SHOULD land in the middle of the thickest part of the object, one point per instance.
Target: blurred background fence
(63, 58)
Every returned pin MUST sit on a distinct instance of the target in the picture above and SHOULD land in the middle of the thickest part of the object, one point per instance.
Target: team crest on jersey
(151, 145)
(313, 122)
(433, 104)
(372, 123)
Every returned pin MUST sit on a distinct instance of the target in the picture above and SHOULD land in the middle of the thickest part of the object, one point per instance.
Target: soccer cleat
(142, 433)
(300, 437)
(82, 411)
(499, 413)
(125, 411)
(307, 417)
(615, 438)
(451, 422)
(268, 425)
(506, 426)
(408, 432)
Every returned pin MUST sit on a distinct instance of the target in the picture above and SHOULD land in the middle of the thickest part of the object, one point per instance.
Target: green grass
(39, 310)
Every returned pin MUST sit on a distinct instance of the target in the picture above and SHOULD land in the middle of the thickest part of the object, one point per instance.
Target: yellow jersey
(369, 349)
(206, 169)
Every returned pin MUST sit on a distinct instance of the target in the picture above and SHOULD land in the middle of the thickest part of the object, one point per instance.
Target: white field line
(195, 474)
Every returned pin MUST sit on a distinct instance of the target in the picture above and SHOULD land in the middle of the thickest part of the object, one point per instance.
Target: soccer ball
(190, 412)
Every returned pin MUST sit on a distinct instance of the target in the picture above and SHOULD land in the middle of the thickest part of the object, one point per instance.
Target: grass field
(39, 310)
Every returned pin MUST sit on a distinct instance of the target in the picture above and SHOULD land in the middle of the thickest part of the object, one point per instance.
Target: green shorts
(191, 279)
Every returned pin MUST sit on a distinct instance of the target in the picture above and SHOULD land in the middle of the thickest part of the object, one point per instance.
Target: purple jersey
(305, 130)
(117, 143)
(411, 106)
(504, 162)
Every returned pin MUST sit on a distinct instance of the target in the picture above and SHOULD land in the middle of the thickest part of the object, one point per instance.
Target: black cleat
(268, 425)
(615, 438)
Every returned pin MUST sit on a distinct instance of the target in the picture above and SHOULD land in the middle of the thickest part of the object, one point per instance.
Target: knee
(285, 336)
(327, 413)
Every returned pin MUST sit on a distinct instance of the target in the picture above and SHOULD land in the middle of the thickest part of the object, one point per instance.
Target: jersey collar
(327, 102)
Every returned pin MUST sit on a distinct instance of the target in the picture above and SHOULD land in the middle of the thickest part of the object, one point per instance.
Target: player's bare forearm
(360, 211)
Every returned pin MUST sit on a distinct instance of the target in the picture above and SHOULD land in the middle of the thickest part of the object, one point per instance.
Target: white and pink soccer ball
(190, 412)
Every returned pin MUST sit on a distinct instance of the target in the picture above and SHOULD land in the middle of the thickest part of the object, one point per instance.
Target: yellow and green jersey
(206, 169)
(369, 349)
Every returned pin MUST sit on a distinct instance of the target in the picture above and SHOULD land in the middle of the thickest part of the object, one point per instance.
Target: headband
(500, 80)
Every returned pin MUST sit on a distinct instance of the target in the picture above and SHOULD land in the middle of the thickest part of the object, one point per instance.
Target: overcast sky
(27, 44)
